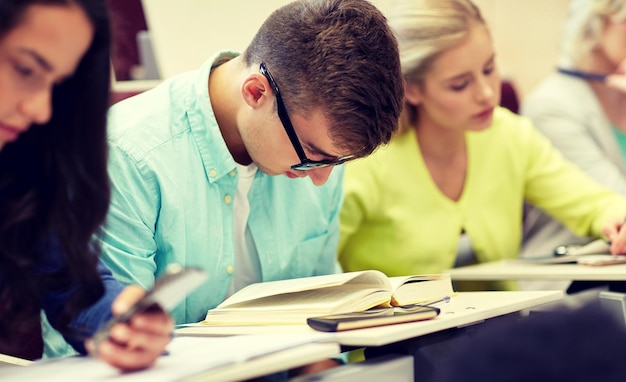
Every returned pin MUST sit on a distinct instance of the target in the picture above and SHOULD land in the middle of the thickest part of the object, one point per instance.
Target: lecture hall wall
(526, 32)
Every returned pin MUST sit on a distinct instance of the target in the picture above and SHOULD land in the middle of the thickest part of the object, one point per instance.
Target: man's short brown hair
(338, 56)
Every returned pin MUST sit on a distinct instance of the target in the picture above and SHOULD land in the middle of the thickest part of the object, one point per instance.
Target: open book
(587, 254)
(186, 359)
(293, 301)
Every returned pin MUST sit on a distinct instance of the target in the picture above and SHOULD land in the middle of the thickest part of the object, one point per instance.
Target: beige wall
(186, 32)
(526, 34)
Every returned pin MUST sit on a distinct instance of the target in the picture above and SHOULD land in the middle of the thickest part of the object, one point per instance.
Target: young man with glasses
(210, 168)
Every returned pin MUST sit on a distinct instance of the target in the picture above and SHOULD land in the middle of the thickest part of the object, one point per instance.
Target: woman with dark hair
(54, 188)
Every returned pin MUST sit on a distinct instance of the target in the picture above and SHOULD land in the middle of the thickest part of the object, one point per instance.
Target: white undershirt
(247, 268)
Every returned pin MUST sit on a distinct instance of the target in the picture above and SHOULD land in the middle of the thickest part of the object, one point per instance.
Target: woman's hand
(138, 343)
(617, 80)
(615, 231)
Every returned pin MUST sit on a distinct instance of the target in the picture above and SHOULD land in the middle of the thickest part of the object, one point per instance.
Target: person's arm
(134, 345)
(128, 236)
(563, 191)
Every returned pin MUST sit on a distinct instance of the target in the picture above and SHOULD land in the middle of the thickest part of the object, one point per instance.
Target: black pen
(584, 75)
(408, 307)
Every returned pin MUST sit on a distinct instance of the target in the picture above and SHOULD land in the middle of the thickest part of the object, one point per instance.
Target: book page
(316, 301)
(10, 360)
(421, 288)
(187, 356)
(397, 281)
(259, 290)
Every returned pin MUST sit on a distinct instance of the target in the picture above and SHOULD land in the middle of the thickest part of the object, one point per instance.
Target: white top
(247, 267)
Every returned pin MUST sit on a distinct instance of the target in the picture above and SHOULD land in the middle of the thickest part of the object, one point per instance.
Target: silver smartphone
(168, 291)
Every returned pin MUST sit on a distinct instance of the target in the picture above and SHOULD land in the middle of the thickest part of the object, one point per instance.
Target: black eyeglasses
(305, 163)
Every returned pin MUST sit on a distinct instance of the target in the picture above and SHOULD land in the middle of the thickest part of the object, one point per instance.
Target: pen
(599, 246)
(583, 75)
(443, 300)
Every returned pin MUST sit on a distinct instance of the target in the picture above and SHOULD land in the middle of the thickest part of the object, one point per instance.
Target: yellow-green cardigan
(395, 219)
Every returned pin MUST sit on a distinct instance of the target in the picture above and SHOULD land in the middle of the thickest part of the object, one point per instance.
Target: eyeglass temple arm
(291, 132)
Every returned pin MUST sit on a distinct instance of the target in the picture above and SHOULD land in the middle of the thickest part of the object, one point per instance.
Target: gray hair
(583, 27)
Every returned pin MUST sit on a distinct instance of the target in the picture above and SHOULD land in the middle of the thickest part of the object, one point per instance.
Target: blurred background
(159, 38)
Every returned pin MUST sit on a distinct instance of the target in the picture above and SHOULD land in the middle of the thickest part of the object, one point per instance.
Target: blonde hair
(584, 25)
(425, 29)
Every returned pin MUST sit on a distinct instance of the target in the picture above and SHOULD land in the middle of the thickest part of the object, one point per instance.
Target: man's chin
(267, 171)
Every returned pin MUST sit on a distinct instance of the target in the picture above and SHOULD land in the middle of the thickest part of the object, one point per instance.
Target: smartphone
(168, 291)
(371, 318)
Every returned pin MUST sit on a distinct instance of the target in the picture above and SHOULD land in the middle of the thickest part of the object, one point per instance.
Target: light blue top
(173, 186)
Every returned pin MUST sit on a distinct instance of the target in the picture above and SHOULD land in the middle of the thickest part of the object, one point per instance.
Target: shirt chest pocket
(308, 254)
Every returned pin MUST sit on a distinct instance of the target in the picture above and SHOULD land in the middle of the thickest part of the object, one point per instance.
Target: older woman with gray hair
(581, 108)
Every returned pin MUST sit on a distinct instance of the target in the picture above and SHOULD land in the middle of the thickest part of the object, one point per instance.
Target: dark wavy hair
(54, 187)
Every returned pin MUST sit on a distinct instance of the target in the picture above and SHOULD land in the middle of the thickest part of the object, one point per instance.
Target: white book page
(318, 300)
(187, 356)
(270, 288)
(397, 281)
(422, 288)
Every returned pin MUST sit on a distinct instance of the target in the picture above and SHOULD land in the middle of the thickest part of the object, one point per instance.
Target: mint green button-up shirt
(173, 186)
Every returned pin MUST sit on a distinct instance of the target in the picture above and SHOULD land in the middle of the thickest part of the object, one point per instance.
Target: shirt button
(213, 173)
(228, 199)
(233, 172)
(229, 269)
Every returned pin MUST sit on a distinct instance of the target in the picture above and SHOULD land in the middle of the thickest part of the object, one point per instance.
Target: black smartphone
(371, 318)
(168, 291)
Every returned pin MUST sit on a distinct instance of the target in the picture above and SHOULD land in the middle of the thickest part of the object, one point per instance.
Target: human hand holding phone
(615, 232)
(142, 327)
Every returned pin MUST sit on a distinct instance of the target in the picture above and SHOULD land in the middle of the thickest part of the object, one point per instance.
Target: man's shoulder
(150, 119)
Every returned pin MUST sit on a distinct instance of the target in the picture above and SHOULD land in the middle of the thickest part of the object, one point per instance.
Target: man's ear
(255, 90)
(412, 93)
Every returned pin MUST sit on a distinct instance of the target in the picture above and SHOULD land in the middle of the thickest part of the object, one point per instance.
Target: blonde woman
(449, 190)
